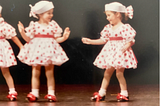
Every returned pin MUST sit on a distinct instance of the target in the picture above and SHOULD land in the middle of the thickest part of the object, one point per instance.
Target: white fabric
(12, 90)
(35, 92)
(0, 9)
(7, 57)
(124, 93)
(111, 54)
(51, 92)
(118, 7)
(129, 11)
(115, 6)
(102, 92)
(40, 7)
(43, 51)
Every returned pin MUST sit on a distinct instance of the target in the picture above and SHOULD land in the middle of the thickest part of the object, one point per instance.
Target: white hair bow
(129, 11)
(32, 12)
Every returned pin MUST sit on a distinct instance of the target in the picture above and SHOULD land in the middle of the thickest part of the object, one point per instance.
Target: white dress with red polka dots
(43, 50)
(111, 54)
(7, 57)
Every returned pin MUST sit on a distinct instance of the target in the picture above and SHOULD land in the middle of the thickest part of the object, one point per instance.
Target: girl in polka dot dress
(117, 52)
(42, 47)
(7, 57)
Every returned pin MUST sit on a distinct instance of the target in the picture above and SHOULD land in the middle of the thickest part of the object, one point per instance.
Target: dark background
(86, 18)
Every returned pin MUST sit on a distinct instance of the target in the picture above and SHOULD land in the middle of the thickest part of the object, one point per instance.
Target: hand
(21, 47)
(126, 47)
(20, 27)
(66, 33)
(86, 40)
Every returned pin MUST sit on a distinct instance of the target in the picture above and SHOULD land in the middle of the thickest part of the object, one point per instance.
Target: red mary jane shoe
(31, 97)
(51, 98)
(122, 98)
(12, 96)
(96, 97)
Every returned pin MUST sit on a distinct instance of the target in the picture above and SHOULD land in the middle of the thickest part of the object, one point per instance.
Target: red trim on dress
(1, 37)
(43, 36)
(115, 38)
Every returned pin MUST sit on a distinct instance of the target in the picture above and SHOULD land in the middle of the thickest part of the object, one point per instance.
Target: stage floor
(79, 95)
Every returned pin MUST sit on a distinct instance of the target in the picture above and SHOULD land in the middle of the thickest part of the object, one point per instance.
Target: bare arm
(127, 46)
(17, 42)
(65, 36)
(22, 32)
(93, 42)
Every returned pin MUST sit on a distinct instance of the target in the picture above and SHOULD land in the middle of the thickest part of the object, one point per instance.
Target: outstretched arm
(17, 42)
(22, 32)
(93, 42)
(65, 36)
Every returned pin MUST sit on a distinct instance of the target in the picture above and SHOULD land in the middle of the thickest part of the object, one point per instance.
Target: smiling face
(46, 16)
(113, 17)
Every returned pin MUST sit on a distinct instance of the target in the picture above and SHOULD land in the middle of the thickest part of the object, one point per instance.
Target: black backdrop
(86, 18)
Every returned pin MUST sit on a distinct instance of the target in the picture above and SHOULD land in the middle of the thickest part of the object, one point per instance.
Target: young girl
(42, 48)
(7, 57)
(117, 52)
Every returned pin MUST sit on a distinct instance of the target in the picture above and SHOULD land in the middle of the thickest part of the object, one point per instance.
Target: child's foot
(12, 96)
(96, 97)
(122, 98)
(51, 98)
(31, 98)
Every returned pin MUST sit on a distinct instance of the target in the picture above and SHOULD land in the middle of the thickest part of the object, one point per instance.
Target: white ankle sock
(35, 92)
(124, 92)
(51, 92)
(102, 92)
(12, 90)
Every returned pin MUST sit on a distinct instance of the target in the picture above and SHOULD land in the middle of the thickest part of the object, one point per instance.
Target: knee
(107, 74)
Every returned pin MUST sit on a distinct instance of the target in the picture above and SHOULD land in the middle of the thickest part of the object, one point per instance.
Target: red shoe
(31, 98)
(96, 97)
(122, 98)
(12, 96)
(51, 98)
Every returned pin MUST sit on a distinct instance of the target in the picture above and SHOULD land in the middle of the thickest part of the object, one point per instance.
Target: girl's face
(113, 17)
(46, 16)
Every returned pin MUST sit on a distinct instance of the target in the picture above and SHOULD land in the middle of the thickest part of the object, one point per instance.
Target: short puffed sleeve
(56, 29)
(105, 33)
(30, 30)
(8, 31)
(128, 33)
